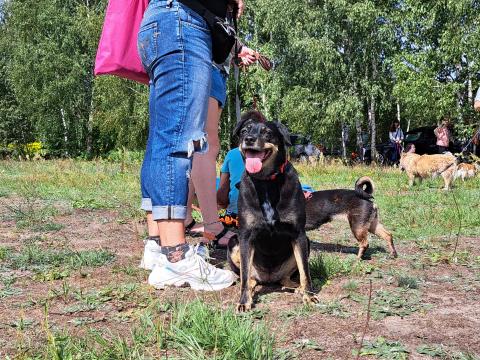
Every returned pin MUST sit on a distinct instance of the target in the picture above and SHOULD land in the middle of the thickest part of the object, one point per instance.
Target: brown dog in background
(424, 166)
(355, 206)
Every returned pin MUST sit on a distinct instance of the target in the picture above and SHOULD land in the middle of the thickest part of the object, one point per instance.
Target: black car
(425, 141)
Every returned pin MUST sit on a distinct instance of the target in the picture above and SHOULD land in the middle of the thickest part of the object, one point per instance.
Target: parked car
(425, 140)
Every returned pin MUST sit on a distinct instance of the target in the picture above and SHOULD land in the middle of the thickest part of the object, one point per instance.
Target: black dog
(354, 205)
(272, 244)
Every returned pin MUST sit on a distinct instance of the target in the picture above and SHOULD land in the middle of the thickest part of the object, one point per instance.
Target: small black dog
(272, 244)
(354, 205)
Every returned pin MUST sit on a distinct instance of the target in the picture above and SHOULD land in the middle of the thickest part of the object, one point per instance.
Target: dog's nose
(249, 140)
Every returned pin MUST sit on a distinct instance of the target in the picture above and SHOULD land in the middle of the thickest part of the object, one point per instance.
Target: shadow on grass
(344, 249)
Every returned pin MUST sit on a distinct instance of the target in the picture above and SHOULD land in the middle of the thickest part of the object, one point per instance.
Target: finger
(240, 8)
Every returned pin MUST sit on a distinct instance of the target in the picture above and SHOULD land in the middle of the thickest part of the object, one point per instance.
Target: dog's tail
(364, 188)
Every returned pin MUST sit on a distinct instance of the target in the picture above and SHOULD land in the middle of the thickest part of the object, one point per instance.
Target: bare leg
(171, 232)
(152, 225)
(204, 174)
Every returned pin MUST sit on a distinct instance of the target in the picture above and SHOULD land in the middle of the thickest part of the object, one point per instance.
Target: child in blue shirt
(230, 175)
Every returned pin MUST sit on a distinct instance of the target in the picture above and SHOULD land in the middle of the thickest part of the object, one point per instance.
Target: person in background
(476, 136)
(396, 137)
(443, 136)
(179, 68)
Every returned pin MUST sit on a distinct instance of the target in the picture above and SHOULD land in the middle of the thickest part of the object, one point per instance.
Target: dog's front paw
(244, 307)
(309, 299)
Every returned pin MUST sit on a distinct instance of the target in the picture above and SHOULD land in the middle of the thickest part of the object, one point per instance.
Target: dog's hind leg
(289, 284)
(300, 251)
(378, 229)
(361, 234)
(447, 176)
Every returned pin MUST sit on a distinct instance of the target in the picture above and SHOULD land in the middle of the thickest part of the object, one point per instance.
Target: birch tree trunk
(373, 128)
(65, 130)
(358, 129)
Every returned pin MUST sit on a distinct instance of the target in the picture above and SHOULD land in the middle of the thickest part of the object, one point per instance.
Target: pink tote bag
(117, 50)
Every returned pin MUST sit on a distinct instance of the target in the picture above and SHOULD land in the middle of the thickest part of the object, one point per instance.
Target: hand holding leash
(248, 56)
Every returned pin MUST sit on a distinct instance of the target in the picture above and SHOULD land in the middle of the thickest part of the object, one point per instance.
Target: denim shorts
(174, 45)
(219, 86)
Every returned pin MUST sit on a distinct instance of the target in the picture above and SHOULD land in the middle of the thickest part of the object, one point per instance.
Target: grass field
(71, 239)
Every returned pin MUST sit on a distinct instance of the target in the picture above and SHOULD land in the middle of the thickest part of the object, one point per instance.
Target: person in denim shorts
(174, 44)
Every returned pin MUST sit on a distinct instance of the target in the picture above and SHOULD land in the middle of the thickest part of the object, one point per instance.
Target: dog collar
(281, 170)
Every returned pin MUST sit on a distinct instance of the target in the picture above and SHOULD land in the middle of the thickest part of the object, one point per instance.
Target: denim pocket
(147, 44)
(159, 35)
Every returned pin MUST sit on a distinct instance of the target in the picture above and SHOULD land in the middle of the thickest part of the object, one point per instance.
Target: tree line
(343, 71)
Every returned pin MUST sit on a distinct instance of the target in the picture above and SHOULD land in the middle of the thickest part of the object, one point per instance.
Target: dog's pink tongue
(253, 161)
(253, 165)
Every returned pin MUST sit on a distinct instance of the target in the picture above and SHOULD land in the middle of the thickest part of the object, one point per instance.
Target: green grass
(325, 266)
(382, 348)
(193, 329)
(188, 331)
(441, 352)
(38, 258)
(400, 302)
(422, 211)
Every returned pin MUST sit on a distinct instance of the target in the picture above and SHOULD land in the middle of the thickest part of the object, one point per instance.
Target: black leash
(236, 72)
(477, 133)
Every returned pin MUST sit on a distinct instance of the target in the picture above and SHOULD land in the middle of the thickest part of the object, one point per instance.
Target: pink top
(442, 136)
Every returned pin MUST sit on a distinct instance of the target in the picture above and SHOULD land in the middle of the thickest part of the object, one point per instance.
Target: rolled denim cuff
(170, 212)
(146, 204)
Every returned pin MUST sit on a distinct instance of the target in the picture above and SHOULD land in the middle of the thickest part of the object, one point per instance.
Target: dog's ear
(282, 129)
(240, 125)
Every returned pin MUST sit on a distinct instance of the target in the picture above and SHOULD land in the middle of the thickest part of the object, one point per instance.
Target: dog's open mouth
(255, 158)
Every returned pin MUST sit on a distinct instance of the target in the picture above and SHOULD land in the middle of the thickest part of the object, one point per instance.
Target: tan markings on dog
(361, 234)
(308, 298)
(341, 217)
(249, 219)
(424, 166)
(378, 229)
(235, 256)
(289, 284)
(248, 305)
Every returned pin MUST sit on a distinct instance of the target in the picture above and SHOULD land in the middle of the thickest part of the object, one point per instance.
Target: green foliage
(196, 331)
(334, 62)
(382, 348)
(325, 266)
(440, 351)
(200, 330)
(407, 282)
(392, 303)
(37, 257)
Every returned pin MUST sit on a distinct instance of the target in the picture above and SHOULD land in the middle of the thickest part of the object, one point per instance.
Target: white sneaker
(193, 270)
(151, 254)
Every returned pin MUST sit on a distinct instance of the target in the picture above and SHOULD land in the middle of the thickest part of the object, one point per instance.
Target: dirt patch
(108, 297)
